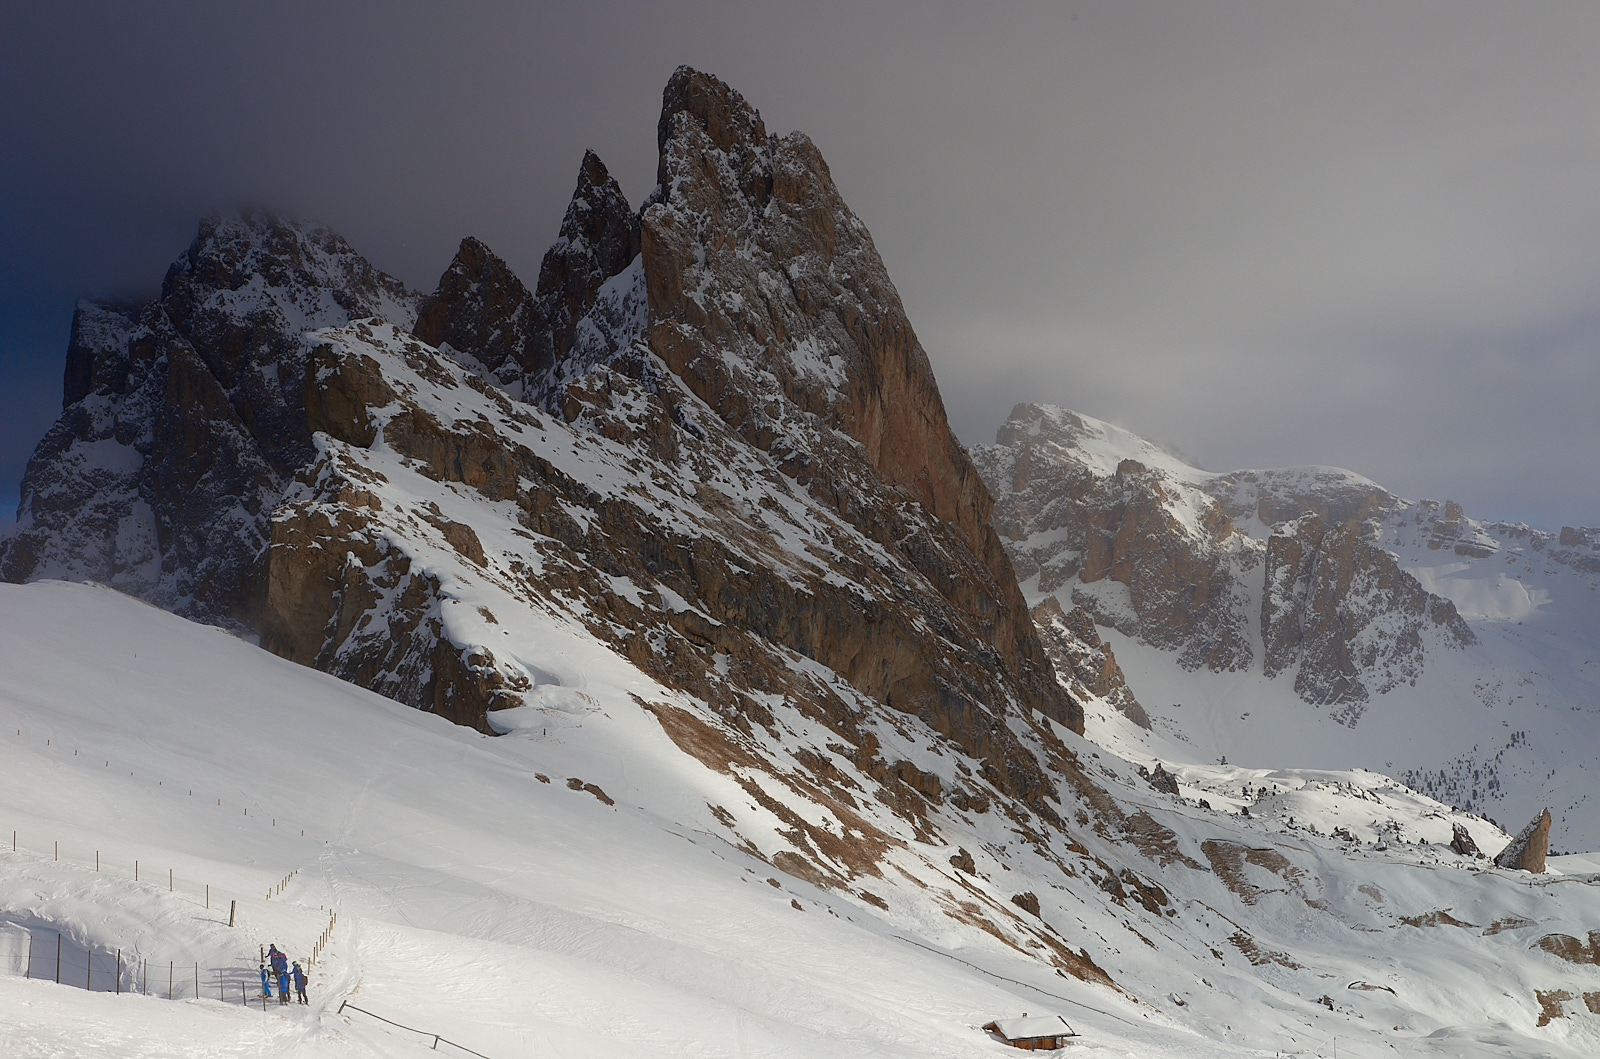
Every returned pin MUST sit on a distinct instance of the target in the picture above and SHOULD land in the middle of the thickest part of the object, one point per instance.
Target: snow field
(475, 901)
(517, 916)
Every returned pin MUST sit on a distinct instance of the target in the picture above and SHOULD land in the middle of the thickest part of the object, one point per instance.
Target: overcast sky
(1355, 234)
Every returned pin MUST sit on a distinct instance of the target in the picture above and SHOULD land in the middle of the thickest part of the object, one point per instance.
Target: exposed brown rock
(1326, 586)
(1569, 948)
(1168, 536)
(1163, 781)
(1437, 918)
(1527, 851)
(1028, 902)
(1550, 1001)
(482, 309)
(1084, 663)
(192, 405)
(1461, 841)
(739, 209)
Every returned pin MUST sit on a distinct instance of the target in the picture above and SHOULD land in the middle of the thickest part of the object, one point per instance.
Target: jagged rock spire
(480, 307)
(599, 238)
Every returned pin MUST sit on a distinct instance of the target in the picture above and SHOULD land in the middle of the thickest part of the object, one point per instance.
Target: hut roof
(1032, 1026)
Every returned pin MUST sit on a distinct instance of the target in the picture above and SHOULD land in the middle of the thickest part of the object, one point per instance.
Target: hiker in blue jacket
(266, 983)
(275, 956)
(300, 982)
(283, 988)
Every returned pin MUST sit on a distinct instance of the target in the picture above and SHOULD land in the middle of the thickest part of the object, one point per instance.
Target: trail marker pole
(119, 972)
(58, 959)
(29, 972)
(169, 979)
(233, 906)
(96, 860)
(169, 880)
(208, 895)
(135, 871)
(58, 849)
(244, 997)
(88, 970)
(197, 981)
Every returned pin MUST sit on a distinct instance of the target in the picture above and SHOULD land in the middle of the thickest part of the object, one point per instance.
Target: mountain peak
(694, 99)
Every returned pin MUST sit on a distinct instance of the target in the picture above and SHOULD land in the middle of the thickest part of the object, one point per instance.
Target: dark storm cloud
(1357, 234)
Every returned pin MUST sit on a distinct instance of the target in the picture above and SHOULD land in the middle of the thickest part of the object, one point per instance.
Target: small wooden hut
(1032, 1032)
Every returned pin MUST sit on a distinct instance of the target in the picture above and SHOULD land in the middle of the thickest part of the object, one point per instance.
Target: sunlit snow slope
(522, 917)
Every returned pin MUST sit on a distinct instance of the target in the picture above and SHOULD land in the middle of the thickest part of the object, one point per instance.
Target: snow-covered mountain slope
(610, 909)
(1307, 617)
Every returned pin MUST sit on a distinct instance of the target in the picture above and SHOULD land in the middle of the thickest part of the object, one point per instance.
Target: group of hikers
(281, 972)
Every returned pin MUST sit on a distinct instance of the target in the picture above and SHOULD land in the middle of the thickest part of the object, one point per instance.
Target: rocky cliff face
(582, 312)
(183, 419)
(706, 441)
(1343, 616)
(1210, 565)
(1084, 662)
(732, 463)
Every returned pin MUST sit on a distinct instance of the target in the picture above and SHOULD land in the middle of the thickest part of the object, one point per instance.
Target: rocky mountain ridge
(1270, 571)
(638, 445)
(1309, 615)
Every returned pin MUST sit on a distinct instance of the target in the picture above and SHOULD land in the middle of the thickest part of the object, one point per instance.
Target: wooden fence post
(169, 978)
(88, 969)
(233, 906)
(58, 958)
(119, 972)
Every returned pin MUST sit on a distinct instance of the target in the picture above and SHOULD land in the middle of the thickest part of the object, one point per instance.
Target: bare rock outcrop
(1084, 662)
(1528, 850)
(481, 310)
(583, 310)
(1344, 615)
(1462, 843)
(1162, 780)
(1126, 524)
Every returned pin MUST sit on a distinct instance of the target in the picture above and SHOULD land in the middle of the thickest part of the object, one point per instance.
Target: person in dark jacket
(279, 962)
(266, 983)
(300, 982)
(283, 988)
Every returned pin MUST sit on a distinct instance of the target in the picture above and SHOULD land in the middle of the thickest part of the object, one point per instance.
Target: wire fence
(50, 956)
(135, 869)
(437, 1040)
